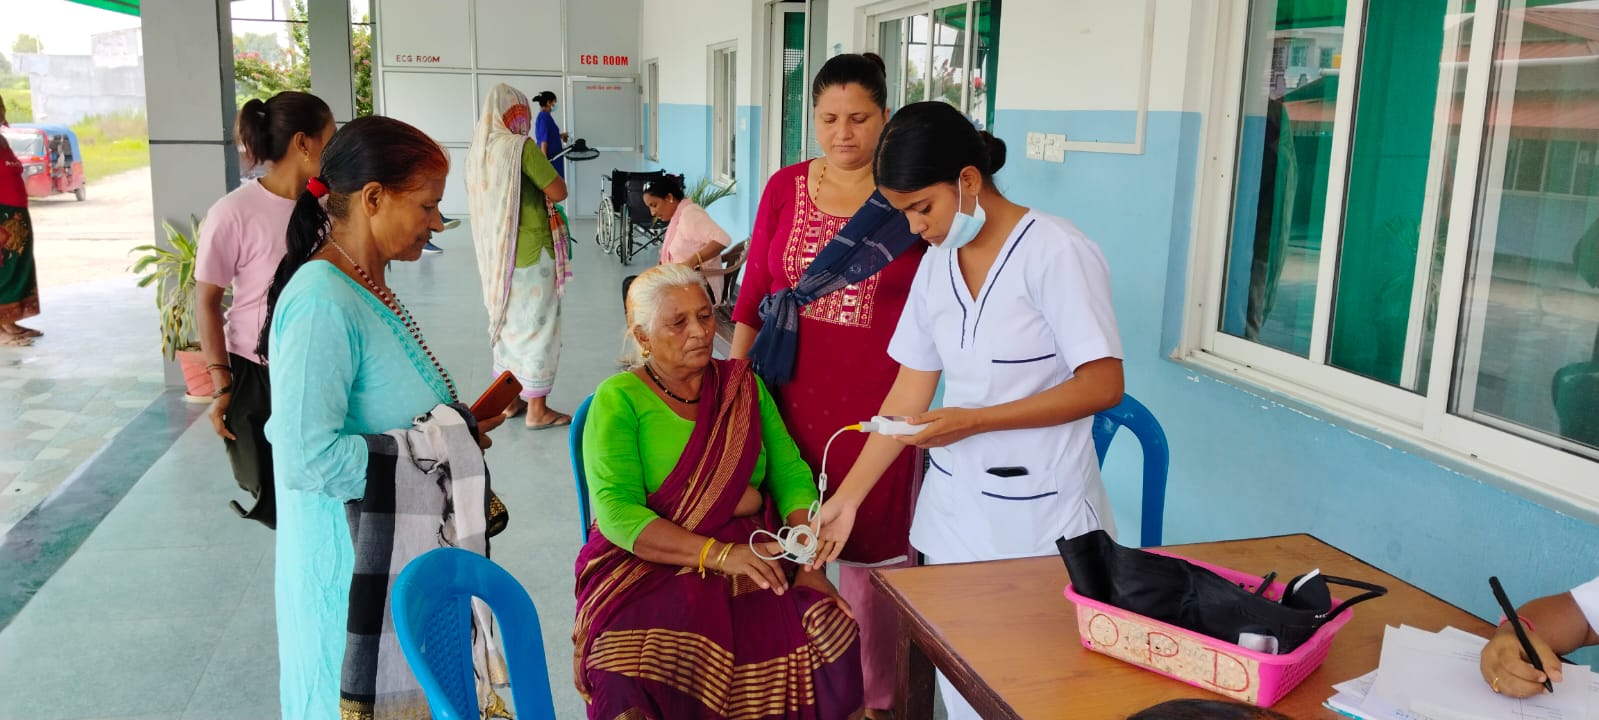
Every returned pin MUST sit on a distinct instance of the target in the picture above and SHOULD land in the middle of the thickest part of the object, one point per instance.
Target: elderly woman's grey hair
(644, 302)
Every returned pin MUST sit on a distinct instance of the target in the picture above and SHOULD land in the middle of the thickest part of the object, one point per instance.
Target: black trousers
(251, 454)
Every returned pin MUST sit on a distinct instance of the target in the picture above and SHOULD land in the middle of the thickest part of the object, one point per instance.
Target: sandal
(11, 339)
(25, 332)
(561, 420)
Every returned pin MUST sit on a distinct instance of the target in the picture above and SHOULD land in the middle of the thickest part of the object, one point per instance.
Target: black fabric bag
(1180, 593)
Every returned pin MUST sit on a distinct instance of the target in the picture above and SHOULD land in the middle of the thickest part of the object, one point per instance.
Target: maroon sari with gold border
(658, 641)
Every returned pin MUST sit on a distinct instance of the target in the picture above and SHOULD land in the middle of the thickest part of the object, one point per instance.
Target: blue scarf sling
(872, 238)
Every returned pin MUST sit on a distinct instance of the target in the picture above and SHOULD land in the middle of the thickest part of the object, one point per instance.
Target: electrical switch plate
(1055, 148)
(1035, 146)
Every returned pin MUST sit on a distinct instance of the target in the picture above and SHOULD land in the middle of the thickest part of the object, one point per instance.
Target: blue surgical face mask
(964, 227)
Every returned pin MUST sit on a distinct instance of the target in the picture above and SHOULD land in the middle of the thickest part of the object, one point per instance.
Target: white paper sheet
(1436, 676)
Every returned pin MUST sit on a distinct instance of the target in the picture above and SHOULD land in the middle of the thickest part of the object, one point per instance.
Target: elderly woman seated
(678, 616)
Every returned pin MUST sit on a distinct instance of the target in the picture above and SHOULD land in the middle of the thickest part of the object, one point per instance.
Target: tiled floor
(165, 611)
(96, 368)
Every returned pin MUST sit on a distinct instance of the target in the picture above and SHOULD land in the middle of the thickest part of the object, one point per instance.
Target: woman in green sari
(19, 279)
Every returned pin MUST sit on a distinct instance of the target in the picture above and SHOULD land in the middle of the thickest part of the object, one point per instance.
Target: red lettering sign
(609, 60)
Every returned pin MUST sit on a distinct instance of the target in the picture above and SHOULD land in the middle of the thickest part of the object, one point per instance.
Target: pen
(1521, 634)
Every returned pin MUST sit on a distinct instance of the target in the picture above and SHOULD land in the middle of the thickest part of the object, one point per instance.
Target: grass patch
(19, 103)
(106, 158)
(113, 144)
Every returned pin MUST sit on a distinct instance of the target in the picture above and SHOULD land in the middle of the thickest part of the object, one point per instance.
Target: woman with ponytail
(547, 133)
(241, 243)
(1012, 308)
(347, 360)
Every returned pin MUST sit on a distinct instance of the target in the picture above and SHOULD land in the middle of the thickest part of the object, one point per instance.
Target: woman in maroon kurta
(842, 369)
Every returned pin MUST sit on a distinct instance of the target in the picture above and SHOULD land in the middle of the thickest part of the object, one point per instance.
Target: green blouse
(533, 237)
(632, 440)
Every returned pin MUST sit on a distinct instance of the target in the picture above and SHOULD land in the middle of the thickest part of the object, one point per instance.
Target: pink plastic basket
(1199, 660)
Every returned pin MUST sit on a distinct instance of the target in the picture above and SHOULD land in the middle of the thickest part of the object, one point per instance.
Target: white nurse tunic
(1043, 311)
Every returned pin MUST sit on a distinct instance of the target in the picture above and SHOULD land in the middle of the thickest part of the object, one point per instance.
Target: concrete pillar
(328, 33)
(188, 85)
(188, 80)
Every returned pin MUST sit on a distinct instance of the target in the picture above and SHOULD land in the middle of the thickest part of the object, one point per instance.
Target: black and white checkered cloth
(426, 487)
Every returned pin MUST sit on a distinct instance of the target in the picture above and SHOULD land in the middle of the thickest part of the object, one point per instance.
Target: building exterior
(107, 81)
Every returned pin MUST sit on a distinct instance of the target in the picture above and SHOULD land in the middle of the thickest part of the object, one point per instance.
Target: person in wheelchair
(692, 237)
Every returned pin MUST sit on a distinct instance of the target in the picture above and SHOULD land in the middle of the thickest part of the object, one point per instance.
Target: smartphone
(501, 393)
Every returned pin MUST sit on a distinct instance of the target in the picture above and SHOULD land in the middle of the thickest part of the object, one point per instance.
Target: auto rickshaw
(51, 160)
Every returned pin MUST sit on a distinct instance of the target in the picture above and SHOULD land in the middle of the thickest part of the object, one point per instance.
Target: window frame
(874, 16)
(723, 96)
(1546, 470)
(652, 101)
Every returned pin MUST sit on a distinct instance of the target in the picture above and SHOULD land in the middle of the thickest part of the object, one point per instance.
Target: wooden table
(1005, 636)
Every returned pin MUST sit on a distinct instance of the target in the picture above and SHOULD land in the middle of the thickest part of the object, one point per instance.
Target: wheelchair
(625, 227)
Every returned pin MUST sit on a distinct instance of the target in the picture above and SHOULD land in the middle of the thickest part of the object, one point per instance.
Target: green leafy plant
(705, 191)
(261, 69)
(170, 268)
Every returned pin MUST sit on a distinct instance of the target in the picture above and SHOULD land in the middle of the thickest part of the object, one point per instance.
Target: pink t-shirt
(689, 232)
(241, 243)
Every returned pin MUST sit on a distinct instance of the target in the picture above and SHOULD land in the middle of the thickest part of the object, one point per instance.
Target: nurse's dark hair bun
(996, 151)
(927, 143)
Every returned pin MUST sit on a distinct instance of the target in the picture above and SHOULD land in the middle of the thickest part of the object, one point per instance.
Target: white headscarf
(494, 194)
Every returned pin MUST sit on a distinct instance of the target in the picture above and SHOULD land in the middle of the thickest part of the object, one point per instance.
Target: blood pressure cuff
(1177, 592)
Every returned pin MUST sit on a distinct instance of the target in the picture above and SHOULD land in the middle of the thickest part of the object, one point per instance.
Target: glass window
(1414, 224)
(652, 128)
(1392, 242)
(723, 111)
(1284, 153)
(796, 94)
(1528, 354)
(949, 54)
(25, 143)
(949, 76)
(1377, 316)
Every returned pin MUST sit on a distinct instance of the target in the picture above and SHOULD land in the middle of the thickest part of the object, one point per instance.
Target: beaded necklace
(393, 304)
(651, 372)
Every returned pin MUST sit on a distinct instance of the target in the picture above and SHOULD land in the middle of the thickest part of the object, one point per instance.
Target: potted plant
(706, 191)
(170, 268)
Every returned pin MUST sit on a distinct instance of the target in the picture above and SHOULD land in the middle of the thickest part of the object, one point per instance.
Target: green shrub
(19, 104)
(98, 129)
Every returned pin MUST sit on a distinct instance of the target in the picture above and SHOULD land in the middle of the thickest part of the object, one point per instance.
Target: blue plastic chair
(575, 445)
(432, 606)
(1157, 458)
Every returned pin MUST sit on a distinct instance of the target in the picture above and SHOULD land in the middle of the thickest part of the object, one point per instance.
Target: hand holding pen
(1517, 662)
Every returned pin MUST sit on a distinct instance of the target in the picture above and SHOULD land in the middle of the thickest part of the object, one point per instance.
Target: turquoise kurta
(342, 365)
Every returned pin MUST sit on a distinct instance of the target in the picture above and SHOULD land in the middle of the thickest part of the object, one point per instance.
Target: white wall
(677, 35)
(1072, 54)
(437, 59)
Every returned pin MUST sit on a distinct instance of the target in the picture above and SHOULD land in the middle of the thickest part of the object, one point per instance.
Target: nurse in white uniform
(1012, 307)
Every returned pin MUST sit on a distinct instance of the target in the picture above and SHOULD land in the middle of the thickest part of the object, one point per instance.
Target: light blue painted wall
(686, 149)
(1242, 464)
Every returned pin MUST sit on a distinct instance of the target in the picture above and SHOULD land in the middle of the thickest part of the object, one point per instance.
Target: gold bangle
(721, 560)
(704, 550)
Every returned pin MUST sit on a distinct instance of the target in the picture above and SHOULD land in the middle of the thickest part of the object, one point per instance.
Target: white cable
(799, 541)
